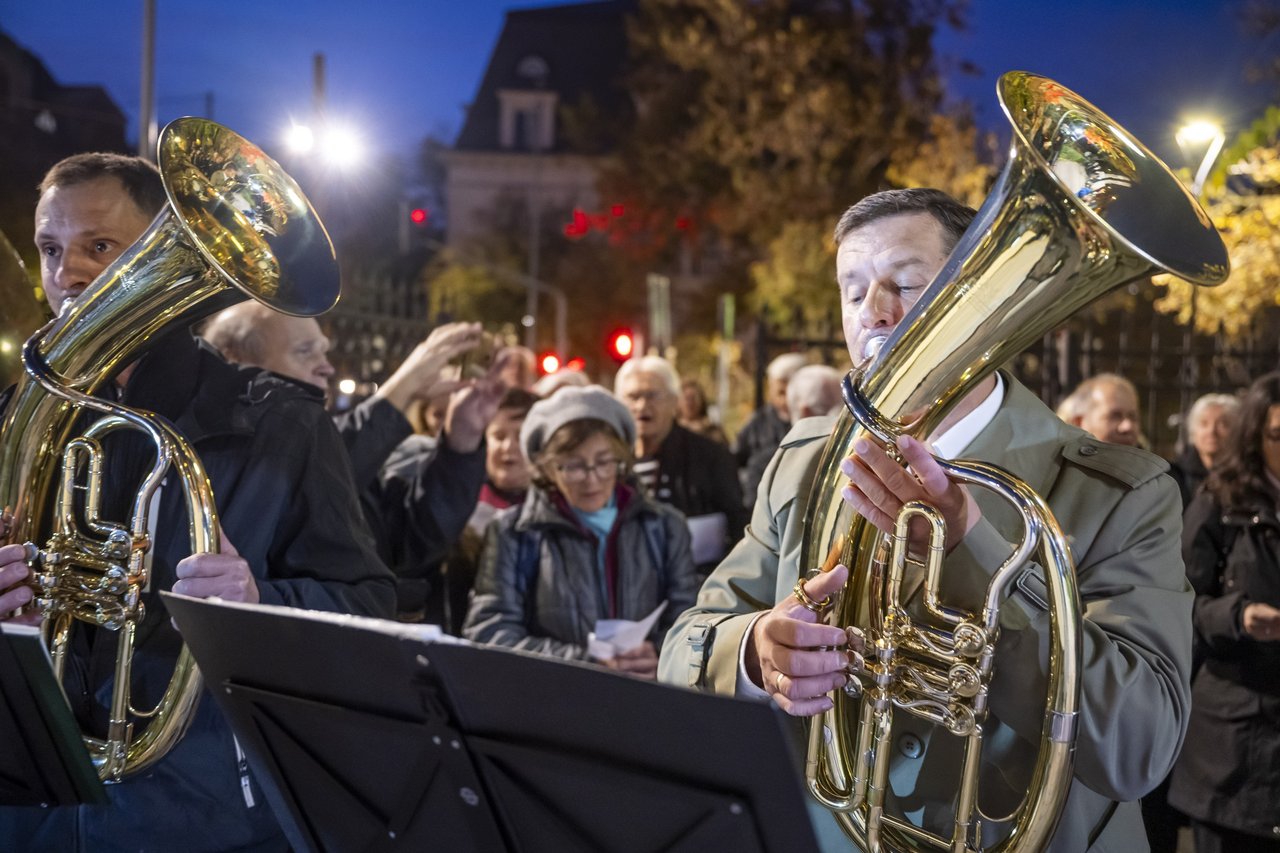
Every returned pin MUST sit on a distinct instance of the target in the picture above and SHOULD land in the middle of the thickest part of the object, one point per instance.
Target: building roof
(584, 48)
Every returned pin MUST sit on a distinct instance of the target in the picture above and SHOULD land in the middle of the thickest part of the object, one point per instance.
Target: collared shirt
(949, 444)
(945, 445)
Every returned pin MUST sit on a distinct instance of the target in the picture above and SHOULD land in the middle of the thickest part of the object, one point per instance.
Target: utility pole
(147, 111)
(535, 233)
(317, 91)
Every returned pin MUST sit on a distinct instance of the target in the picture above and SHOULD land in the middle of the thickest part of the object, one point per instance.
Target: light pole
(1202, 132)
(1190, 136)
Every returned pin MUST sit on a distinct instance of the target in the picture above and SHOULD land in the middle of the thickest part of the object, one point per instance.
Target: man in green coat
(1122, 518)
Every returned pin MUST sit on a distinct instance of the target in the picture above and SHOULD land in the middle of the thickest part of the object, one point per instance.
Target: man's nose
(74, 272)
(880, 307)
(324, 368)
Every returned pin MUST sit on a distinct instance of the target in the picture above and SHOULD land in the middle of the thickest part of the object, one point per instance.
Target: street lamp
(1192, 135)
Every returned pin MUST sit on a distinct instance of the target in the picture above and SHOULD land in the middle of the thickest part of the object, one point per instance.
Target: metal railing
(1170, 365)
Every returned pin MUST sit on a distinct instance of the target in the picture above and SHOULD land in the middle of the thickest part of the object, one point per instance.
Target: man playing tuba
(292, 534)
(1119, 510)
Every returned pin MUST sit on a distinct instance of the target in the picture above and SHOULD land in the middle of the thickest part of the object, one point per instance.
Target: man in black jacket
(676, 466)
(417, 511)
(292, 534)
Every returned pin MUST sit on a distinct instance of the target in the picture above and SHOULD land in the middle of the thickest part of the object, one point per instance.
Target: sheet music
(708, 534)
(615, 636)
(408, 630)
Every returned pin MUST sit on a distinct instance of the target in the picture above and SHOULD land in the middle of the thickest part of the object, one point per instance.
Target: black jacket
(1189, 472)
(1229, 769)
(417, 495)
(755, 445)
(285, 499)
(697, 476)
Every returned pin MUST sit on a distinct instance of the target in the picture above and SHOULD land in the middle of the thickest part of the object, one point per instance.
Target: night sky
(404, 69)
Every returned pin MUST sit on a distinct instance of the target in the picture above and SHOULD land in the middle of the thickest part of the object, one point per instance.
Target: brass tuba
(1080, 209)
(236, 225)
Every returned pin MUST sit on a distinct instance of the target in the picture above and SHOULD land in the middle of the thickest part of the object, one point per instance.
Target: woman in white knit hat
(585, 546)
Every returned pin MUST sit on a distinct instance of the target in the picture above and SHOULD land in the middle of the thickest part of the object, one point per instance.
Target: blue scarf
(601, 523)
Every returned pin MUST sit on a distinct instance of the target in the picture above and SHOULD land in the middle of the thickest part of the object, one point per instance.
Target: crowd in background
(608, 505)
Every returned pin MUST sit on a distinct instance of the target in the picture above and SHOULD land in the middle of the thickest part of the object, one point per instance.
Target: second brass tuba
(236, 226)
(1080, 209)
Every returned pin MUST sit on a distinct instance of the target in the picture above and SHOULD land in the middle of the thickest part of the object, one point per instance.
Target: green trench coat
(1122, 516)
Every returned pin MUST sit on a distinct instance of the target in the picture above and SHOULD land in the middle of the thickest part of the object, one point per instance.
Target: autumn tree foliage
(750, 116)
(796, 274)
(1244, 203)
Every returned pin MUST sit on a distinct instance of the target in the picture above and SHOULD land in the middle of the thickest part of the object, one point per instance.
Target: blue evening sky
(405, 69)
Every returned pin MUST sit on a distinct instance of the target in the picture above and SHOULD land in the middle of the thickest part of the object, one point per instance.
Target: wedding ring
(777, 683)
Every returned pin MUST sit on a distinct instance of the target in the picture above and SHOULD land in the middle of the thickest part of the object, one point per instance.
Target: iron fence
(1170, 365)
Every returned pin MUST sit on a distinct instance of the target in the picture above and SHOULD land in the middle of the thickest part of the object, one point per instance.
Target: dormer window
(527, 121)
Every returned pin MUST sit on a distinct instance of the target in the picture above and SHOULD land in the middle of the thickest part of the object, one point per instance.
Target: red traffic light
(418, 216)
(621, 344)
(549, 362)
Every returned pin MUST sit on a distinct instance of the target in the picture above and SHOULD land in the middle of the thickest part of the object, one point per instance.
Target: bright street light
(341, 146)
(1199, 132)
(299, 138)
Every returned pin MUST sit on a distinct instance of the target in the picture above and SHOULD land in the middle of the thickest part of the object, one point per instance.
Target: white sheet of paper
(708, 533)
(614, 636)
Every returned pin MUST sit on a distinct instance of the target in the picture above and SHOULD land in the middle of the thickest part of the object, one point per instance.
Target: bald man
(1105, 406)
(416, 512)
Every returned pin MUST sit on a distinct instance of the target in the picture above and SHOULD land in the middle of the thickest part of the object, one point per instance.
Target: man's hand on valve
(795, 657)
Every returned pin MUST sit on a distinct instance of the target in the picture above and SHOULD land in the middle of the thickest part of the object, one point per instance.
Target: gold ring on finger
(818, 607)
(777, 683)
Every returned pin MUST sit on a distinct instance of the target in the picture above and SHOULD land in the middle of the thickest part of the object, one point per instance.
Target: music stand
(44, 761)
(374, 737)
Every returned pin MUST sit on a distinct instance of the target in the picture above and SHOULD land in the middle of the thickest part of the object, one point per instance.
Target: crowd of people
(524, 512)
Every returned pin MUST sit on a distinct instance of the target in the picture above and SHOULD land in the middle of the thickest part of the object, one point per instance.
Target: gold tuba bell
(236, 225)
(1080, 209)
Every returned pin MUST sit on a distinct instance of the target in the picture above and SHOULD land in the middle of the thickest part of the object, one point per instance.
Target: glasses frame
(579, 474)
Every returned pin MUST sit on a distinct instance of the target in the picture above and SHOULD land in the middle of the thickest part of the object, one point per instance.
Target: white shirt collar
(948, 445)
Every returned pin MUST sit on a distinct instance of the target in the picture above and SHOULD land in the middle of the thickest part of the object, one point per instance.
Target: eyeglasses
(577, 472)
(648, 396)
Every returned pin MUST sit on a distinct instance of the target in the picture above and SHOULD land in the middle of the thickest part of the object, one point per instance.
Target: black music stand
(373, 739)
(44, 761)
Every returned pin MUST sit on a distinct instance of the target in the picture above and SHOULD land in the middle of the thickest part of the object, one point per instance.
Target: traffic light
(621, 345)
(419, 216)
(549, 362)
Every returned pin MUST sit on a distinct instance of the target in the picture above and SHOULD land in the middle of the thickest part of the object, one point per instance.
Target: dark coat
(286, 501)
(417, 495)
(1189, 472)
(552, 610)
(755, 445)
(697, 476)
(1229, 769)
